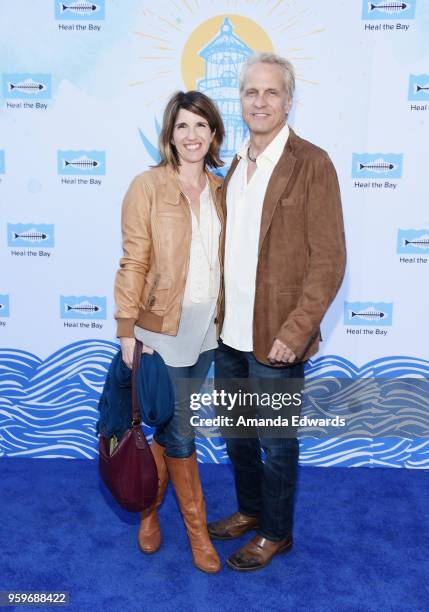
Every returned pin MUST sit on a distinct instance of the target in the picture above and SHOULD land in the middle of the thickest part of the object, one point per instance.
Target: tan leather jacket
(156, 231)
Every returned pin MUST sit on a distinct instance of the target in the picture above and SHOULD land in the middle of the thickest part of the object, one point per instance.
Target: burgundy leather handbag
(129, 470)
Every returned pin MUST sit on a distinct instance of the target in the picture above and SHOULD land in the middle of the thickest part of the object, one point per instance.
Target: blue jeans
(264, 489)
(178, 436)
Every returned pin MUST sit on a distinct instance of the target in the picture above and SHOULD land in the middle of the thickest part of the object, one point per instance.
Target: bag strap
(136, 414)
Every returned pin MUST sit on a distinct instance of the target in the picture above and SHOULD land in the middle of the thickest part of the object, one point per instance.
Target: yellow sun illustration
(170, 39)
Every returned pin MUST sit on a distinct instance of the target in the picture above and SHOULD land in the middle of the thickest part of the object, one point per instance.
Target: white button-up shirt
(244, 209)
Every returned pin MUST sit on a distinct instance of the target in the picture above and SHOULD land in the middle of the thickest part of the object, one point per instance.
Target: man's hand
(127, 347)
(281, 353)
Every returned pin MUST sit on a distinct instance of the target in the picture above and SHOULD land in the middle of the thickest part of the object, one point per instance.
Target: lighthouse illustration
(224, 56)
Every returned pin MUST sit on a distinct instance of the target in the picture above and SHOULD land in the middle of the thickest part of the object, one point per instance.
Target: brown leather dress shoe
(257, 553)
(232, 526)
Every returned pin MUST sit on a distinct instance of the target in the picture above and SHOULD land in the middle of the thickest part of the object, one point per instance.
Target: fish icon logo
(418, 88)
(385, 9)
(368, 313)
(27, 86)
(30, 235)
(81, 162)
(2, 162)
(4, 305)
(377, 165)
(413, 241)
(82, 307)
(79, 10)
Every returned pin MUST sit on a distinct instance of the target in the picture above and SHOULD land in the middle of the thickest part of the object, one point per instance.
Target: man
(284, 258)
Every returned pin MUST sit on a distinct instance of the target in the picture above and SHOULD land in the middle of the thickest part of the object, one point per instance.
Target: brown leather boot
(149, 532)
(186, 481)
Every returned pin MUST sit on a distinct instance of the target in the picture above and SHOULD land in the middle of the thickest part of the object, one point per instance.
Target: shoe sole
(148, 552)
(234, 537)
(207, 571)
(287, 548)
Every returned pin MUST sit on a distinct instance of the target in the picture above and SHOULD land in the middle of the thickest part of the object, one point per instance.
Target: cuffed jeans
(178, 436)
(264, 489)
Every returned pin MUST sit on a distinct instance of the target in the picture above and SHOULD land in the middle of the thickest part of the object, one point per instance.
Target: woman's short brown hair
(200, 104)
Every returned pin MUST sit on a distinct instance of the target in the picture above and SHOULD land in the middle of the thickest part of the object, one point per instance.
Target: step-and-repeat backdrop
(83, 86)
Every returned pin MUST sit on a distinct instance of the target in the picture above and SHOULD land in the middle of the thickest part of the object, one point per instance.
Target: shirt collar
(273, 150)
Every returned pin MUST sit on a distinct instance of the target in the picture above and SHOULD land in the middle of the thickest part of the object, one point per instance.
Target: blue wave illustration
(335, 452)
(374, 407)
(48, 408)
(407, 453)
(365, 452)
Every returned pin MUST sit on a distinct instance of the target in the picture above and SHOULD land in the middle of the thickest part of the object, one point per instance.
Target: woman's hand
(127, 348)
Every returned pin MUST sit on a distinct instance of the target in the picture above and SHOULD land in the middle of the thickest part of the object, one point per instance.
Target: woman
(166, 293)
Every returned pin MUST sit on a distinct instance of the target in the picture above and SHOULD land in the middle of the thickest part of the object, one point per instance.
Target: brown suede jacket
(156, 231)
(301, 250)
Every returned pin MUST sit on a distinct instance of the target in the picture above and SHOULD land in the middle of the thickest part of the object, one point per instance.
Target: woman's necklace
(188, 189)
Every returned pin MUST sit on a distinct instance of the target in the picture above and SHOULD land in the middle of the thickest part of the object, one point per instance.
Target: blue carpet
(361, 543)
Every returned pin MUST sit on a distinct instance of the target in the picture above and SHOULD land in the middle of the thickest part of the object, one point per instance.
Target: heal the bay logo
(418, 92)
(413, 241)
(368, 313)
(77, 165)
(378, 167)
(26, 86)
(388, 9)
(418, 88)
(4, 306)
(83, 311)
(79, 10)
(81, 162)
(413, 246)
(30, 235)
